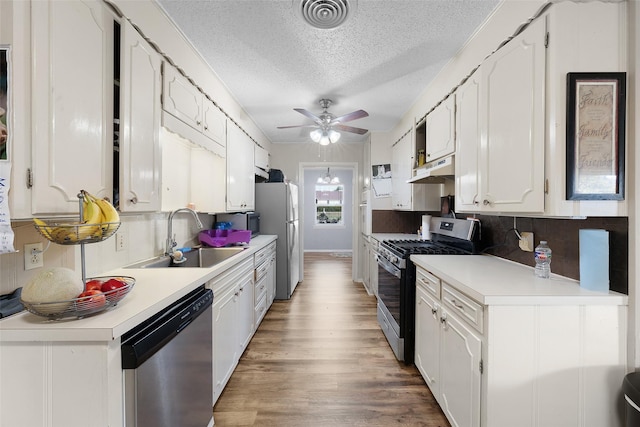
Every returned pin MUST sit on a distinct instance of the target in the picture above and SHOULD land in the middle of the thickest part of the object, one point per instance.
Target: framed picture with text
(596, 110)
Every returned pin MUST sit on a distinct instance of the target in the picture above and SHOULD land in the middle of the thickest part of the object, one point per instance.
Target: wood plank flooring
(320, 359)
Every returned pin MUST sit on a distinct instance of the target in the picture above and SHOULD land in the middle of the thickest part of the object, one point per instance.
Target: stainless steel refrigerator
(277, 203)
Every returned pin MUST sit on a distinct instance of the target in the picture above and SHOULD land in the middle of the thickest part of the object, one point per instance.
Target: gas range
(450, 236)
(397, 275)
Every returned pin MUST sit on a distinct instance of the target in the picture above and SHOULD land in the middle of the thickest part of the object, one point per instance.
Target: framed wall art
(596, 109)
(4, 102)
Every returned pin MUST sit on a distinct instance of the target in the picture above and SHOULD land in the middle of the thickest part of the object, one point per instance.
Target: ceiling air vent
(325, 14)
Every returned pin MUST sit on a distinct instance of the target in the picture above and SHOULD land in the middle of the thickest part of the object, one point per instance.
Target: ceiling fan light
(324, 139)
(315, 135)
(334, 136)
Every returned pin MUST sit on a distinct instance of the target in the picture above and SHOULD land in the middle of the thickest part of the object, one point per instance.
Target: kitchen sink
(201, 257)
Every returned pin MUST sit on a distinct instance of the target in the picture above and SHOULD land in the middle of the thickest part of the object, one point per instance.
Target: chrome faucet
(171, 242)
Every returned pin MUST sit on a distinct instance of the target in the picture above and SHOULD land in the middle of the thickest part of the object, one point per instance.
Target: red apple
(112, 285)
(92, 299)
(93, 284)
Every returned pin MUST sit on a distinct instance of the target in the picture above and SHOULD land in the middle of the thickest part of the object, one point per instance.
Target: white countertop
(495, 281)
(154, 290)
(394, 236)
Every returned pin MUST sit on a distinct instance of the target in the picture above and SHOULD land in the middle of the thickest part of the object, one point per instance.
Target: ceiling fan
(327, 125)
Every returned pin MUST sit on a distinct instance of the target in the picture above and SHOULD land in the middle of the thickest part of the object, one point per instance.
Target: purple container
(218, 238)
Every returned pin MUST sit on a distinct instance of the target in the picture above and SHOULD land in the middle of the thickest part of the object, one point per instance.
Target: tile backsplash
(499, 239)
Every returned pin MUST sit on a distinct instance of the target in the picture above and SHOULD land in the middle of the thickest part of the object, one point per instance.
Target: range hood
(436, 172)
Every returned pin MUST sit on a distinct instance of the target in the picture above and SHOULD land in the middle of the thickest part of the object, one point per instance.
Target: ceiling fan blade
(351, 116)
(308, 114)
(350, 129)
(297, 126)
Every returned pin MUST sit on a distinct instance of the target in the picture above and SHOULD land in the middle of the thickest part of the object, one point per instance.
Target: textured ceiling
(380, 60)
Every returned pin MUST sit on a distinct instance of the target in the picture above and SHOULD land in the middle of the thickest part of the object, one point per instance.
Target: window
(329, 200)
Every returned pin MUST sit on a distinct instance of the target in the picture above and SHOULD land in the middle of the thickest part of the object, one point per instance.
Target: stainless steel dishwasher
(167, 365)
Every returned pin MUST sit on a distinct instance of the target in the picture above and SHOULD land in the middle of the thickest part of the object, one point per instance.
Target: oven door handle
(392, 269)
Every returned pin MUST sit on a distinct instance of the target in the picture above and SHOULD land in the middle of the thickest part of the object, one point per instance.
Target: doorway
(328, 208)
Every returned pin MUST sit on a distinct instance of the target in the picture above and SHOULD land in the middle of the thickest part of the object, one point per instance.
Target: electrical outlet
(121, 242)
(33, 256)
(526, 242)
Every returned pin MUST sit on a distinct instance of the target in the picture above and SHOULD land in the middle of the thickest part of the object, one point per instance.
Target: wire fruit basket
(74, 233)
(84, 306)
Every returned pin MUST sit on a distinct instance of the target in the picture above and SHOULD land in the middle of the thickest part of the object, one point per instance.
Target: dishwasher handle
(142, 342)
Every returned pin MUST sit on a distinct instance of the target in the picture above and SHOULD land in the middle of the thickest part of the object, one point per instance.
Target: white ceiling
(380, 60)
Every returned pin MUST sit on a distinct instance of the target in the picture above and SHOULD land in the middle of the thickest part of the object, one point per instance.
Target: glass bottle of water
(543, 260)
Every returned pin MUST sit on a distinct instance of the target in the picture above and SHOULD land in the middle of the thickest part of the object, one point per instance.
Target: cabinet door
(208, 172)
(373, 272)
(140, 155)
(460, 377)
(512, 141)
(214, 123)
(401, 164)
(176, 191)
(225, 345)
(245, 312)
(240, 171)
(180, 98)
(440, 130)
(72, 84)
(427, 333)
(261, 157)
(271, 280)
(468, 144)
(364, 257)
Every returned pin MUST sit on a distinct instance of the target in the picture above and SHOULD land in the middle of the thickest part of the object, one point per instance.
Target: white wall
(327, 237)
(633, 133)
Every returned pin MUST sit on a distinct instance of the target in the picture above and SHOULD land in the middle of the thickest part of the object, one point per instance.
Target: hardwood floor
(320, 359)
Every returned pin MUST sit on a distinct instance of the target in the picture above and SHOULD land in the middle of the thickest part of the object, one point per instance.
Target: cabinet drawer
(428, 282)
(260, 310)
(465, 307)
(263, 254)
(260, 289)
(262, 269)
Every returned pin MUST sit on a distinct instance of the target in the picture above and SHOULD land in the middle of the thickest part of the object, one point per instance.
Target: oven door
(389, 284)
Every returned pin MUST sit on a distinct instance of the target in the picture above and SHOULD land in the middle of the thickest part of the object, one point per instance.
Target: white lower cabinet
(373, 266)
(232, 320)
(525, 363)
(264, 292)
(447, 354)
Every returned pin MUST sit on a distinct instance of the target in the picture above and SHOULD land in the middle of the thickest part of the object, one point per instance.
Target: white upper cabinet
(440, 130)
(468, 142)
(401, 165)
(583, 37)
(405, 196)
(261, 158)
(510, 169)
(189, 113)
(240, 171)
(139, 143)
(72, 99)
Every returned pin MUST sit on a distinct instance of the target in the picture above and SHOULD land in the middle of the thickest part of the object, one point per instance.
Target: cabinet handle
(206, 127)
(134, 200)
(198, 122)
(486, 202)
(434, 310)
(457, 305)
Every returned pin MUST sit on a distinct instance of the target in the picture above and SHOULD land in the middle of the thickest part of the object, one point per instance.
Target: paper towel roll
(594, 260)
(426, 227)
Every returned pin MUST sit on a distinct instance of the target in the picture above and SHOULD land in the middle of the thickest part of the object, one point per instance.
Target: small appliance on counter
(242, 221)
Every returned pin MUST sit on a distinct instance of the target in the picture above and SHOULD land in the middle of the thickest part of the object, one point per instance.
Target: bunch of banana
(99, 218)
(110, 216)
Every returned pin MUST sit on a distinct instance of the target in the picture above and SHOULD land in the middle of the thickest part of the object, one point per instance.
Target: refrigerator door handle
(292, 239)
